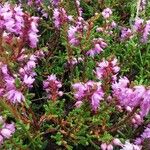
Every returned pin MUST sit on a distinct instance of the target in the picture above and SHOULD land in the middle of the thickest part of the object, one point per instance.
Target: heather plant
(74, 74)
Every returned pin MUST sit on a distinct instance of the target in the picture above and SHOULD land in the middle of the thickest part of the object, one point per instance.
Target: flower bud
(78, 104)
(109, 147)
(6, 133)
(117, 142)
(103, 146)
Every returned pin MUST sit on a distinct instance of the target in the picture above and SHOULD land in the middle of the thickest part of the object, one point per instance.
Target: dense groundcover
(75, 75)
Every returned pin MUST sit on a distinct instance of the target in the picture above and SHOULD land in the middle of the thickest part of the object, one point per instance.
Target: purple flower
(15, 96)
(28, 80)
(33, 37)
(73, 40)
(117, 142)
(78, 104)
(55, 2)
(106, 13)
(126, 33)
(107, 69)
(104, 146)
(90, 91)
(99, 44)
(146, 133)
(19, 21)
(6, 130)
(6, 133)
(145, 104)
(143, 5)
(146, 32)
(79, 90)
(138, 25)
(109, 147)
(1, 140)
(51, 85)
(130, 146)
(60, 17)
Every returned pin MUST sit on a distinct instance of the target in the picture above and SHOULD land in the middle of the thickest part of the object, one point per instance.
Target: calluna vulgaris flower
(106, 13)
(6, 130)
(60, 17)
(107, 69)
(136, 96)
(13, 85)
(98, 47)
(90, 91)
(145, 135)
(76, 30)
(14, 20)
(55, 2)
(130, 146)
(126, 33)
(52, 86)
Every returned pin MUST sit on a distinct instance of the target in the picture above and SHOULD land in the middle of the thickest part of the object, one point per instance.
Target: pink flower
(7, 130)
(96, 98)
(138, 25)
(51, 85)
(145, 104)
(90, 91)
(130, 146)
(78, 104)
(55, 2)
(6, 133)
(72, 35)
(146, 31)
(15, 96)
(99, 45)
(1, 140)
(126, 33)
(106, 13)
(117, 142)
(28, 80)
(60, 17)
(104, 146)
(109, 147)
(33, 37)
(107, 69)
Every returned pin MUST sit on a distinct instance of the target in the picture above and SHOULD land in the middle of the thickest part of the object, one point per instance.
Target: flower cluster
(99, 45)
(6, 131)
(74, 61)
(130, 146)
(74, 32)
(132, 96)
(13, 85)
(107, 13)
(9, 87)
(145, 135)
(90, 91)
(37, 2)
(126, 33)
(55, 2)
(140, 27)
(51, 85)
(60, 17)
(107, 70)
(107, 28)
(14, 20)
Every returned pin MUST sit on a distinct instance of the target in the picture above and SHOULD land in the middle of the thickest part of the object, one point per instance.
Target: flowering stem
(122, 122)
(77, 8)
(138, 8)
(10, 108)
(1, 33)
